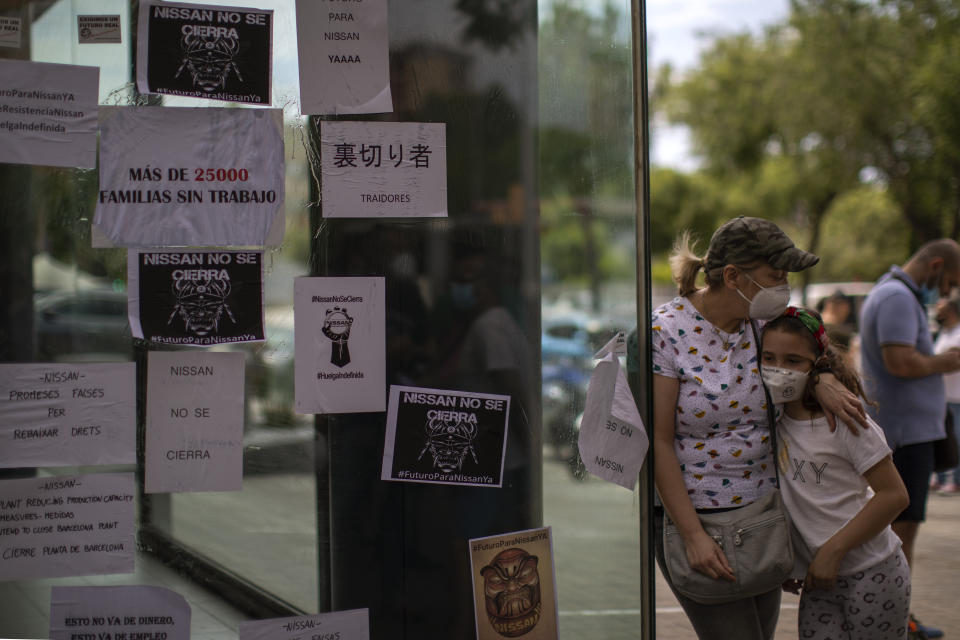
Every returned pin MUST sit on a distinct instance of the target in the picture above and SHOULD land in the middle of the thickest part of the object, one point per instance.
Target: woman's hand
(706, 556)
(822, 572)
(838, 402)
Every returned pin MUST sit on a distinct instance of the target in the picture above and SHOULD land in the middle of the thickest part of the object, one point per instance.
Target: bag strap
(916, 295)
(771, 416)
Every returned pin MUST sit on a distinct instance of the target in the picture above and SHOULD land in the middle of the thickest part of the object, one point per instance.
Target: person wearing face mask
(711, 438)
(841, 491)
(904, 375)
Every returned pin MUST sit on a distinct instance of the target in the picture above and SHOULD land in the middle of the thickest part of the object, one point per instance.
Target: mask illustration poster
(339, 332)
(514, 586)
(440, 436)
(189, 176)
(205, 51)
(196, 297)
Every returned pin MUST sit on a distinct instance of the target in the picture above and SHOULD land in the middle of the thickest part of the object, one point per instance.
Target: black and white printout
(353, 624)
(174, 177)
(344, 57)
(205, 51)
(194, 436)
(98, 29)
(383, 169)
(67, 414)
(445, 437)
(195, 297)
(612, 439)
(60, 526)
(10, 32)
(48, 113)
(339, 333)
(118, 613)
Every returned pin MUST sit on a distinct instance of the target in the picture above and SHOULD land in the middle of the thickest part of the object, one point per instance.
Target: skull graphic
(200, 304)
(449, 440)
(209, 58)
(511, 588)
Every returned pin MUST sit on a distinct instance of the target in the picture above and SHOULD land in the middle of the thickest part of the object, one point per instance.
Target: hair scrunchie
(813, 324)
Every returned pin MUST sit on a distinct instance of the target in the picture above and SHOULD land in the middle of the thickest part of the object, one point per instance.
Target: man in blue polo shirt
(903, 376)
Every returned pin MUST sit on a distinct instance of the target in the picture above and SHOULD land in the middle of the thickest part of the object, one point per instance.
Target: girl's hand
(838, 402)
(706, 556)
(822, 572)
(792, 586)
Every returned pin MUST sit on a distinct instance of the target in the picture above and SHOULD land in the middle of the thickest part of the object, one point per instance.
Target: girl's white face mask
(785, 385)
(769, 302)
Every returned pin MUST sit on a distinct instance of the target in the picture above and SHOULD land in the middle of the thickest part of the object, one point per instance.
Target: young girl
(855, 579)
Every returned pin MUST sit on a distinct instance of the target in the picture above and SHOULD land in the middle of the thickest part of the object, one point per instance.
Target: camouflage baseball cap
(744, 240)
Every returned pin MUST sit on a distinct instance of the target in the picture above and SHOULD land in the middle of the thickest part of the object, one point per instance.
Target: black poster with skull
(446, 437)
(196, 297)
(205, 51)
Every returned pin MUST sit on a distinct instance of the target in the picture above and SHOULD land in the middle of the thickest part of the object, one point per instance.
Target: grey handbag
(755, 539)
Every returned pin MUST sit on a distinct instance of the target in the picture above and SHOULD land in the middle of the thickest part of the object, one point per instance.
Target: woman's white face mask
(769, 302)
(784, 385)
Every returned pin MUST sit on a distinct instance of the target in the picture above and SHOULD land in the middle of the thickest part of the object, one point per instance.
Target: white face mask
(784, 385)
(769, 302)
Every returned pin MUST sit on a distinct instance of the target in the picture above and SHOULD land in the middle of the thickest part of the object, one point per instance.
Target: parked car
(83, 325)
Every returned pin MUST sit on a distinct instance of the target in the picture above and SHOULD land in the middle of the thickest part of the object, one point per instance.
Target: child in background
(855, 578)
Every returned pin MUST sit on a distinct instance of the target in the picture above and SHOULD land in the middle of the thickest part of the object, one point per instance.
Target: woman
(711, 433)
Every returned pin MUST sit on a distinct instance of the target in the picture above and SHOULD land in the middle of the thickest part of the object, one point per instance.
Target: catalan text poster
(62, 414)
(383, 169)
(194, 438)
(344, 57)
(339, 327)
(352, 624)
(10, 29)
(514, 586)
(441, 436)
(48, 113)
(195, 297)
(118, 613)
(173, 177)
(98, 29)
(205, 51)
(56, 526)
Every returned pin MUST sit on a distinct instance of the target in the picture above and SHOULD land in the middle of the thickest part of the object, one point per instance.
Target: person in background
(904, 376)
(841, 491)
(711, 434)
(948, 317)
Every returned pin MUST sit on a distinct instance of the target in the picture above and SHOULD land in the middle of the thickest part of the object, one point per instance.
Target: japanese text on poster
(194, 438)
(339, 327)
(48, 113)
(190, 177)
(118, 613)
(445, 437)
(514, 585)
(344, 58)
(98, 29)
(383, 169)
(205, 51)
(353, 624)
(66, 526)
(196, 297)
(67, 414)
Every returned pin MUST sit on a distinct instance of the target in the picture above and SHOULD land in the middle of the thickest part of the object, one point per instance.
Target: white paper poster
(194, 436)
(340, 363)
(205, 51)
(612, 441)
(10, 32)
(98, 29)
(440, 436)
(383, 169)
(67, 414)
(195, 297)
(353, 624)
(49, 113)
(59, 526)
(344, 57)
(118, 613)
(190, 177)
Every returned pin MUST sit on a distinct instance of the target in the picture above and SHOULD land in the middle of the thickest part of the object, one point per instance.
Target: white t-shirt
(821, 478)
(946, 340)
(722, 439)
